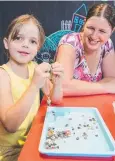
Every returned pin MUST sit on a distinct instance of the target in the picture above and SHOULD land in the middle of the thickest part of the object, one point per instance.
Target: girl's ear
(5, 41)
(39, 47)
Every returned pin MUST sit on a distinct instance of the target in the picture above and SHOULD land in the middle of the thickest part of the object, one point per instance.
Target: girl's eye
(33, 42)
(18, 38)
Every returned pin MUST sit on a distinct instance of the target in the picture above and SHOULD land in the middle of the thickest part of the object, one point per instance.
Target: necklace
(48, 92)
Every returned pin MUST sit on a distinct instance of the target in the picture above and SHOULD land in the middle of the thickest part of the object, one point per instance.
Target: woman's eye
(102, 31)
(91, 28)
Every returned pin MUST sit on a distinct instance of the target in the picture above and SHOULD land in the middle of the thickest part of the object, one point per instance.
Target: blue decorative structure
(78, 19)
(48, 50)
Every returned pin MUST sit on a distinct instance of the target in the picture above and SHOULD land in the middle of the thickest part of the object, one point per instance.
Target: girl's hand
(41, 73)
(57, 72)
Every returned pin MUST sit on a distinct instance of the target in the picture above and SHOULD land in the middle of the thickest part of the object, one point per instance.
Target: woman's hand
(57, 73)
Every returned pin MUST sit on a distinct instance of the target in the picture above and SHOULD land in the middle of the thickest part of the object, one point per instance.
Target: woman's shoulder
(107, 48)
(72, 35)
(108, 45)
(71, 39)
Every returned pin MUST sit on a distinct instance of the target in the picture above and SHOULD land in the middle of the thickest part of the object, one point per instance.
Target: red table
(102, 102)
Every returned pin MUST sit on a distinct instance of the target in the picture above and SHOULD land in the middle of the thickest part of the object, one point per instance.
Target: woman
(88, 57)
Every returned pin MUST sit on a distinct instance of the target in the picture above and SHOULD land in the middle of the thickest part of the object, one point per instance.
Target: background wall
(56, 17)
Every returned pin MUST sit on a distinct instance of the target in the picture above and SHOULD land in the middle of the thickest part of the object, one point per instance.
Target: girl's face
(25, 46)
(96, 32)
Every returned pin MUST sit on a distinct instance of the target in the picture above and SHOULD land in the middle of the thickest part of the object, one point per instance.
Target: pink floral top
(81, 70)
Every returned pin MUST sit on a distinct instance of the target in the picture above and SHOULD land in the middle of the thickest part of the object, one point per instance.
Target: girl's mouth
(23, 53)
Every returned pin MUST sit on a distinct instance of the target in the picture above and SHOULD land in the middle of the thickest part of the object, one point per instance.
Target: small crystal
(48, 101)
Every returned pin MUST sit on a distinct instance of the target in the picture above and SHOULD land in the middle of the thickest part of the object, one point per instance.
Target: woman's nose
(94, 35)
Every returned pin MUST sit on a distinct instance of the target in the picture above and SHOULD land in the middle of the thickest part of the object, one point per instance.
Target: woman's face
(96, 32)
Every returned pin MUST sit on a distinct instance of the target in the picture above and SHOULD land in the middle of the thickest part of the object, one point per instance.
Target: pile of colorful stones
(53, 135)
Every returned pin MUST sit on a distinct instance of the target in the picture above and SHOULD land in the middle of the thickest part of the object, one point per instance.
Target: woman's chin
(93, 47)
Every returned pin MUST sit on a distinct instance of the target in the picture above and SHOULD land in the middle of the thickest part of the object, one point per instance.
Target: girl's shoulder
(32, 65)
(4, 77)
(3, 70)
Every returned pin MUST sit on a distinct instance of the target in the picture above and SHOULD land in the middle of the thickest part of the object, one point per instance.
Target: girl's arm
(54, 92)
(13, 114)
(54, 88)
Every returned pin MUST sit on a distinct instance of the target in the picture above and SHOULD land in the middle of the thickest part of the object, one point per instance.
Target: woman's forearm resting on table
(76, 87)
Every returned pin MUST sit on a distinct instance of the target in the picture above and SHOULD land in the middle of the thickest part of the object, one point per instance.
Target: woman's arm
(108, 65)
(73, 87)
(108, 68)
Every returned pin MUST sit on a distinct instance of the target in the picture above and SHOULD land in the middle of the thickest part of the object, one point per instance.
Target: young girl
(20, 83)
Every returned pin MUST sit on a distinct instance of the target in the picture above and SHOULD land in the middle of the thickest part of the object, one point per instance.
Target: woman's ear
(5, 41)
(85, 20)
(82, 29)
(113, 30)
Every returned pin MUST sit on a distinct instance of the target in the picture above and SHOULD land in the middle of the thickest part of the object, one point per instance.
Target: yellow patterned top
(11, 141)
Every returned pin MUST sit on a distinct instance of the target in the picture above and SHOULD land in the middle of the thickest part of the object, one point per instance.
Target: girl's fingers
(56, 65)
(59, 74)
(45, 67)
(46, 75)
(57, 69)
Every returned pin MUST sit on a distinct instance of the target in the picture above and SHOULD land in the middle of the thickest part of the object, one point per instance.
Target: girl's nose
(25, 44)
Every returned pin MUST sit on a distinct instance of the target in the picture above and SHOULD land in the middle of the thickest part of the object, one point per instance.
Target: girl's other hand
(41, 73)
(57, 73)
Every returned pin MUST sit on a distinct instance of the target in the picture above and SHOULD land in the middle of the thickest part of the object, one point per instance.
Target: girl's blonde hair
(14, 27)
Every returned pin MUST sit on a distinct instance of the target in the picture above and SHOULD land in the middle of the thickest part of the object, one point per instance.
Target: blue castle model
(78, 19)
